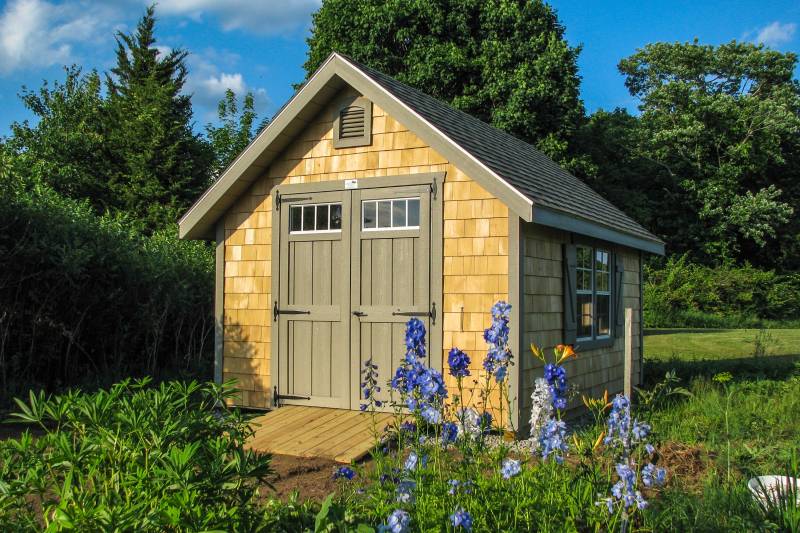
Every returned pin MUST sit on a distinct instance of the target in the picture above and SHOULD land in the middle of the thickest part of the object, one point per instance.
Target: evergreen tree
(161, 166)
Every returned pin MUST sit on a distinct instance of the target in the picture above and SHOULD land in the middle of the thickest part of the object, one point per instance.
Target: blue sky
(259, 45)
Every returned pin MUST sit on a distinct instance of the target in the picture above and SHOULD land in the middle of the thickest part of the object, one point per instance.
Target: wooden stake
(628, 353)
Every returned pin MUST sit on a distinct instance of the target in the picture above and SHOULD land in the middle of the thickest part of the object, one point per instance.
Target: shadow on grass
(657, 331)
(776, 367)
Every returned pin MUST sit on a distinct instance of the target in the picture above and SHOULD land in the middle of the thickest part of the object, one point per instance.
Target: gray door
(390, 273)
(312, 311)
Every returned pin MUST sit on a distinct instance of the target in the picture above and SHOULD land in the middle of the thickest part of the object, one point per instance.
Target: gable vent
(353, 124)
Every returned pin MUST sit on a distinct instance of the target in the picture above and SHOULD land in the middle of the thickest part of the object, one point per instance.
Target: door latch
(359, 314)
(276, 398)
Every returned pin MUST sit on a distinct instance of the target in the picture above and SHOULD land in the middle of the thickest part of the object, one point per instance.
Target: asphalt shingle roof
(524, 167)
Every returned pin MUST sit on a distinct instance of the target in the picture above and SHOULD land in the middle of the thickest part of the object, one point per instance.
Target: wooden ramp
(303, 431)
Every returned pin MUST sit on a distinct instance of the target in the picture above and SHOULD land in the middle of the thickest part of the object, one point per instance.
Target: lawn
(694, 344)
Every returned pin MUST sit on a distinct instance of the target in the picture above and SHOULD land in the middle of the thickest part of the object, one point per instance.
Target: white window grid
(302, 230)
(391, 211)
(593, 291)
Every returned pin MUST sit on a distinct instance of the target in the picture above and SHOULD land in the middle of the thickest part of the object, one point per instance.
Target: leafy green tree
(66, 147)
(721, 123)
(504, 61)
(161, 165)
(235, 131)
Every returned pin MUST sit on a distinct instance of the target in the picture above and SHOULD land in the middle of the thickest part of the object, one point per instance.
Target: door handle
(359, 314)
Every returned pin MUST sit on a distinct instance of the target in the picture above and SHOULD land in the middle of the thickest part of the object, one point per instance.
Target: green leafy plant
(133, 457)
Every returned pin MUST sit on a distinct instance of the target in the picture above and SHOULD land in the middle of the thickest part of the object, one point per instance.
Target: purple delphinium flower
(431, 415)
(405, 491)
(640, 431)
(398, 522)
(619, 421)
(510, 468)
(369, 387)
(421, 388)
(458, 361)
(625, 490)
(556, 377)
(498, 357)
(552, 440)
(653, 476)
(344, 472)
(449, 433)
(461, 519)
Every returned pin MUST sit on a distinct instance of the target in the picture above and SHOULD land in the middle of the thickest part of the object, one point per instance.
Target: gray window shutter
(570, 300)
(619, 295)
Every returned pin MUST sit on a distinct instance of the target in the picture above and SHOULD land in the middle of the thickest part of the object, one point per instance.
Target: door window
(315, 218)
(400, 213)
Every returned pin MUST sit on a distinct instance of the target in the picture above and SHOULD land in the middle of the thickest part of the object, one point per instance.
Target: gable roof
(528, 182)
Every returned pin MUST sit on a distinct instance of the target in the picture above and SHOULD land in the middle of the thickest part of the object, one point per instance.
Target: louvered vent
(351, 122)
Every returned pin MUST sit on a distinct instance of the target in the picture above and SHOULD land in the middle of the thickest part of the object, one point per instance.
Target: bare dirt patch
(311, 478)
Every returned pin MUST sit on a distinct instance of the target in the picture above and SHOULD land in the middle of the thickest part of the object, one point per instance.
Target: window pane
(603, 314)
(413, 212)
(336, 216)
(308, 218)
(322, 217)
(369, 215)
(584, 256)
(295, 218)
(584, 280)
(601, 261)
(584, 309)
(385, 214)
(603, 281)
(398, 213)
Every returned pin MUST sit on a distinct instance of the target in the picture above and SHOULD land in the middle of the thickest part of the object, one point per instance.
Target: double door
(353, 267)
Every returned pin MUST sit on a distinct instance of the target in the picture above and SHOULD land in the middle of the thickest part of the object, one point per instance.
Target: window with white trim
(593, 293)
(397, 213)
(315, 218)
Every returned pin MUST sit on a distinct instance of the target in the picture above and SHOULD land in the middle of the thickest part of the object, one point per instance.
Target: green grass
(689, 345)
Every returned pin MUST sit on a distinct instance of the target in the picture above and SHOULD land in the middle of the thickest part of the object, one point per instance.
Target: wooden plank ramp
(304, 431)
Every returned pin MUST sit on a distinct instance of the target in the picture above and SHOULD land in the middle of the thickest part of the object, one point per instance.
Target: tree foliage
(131, 151)
(719, 125)
(506, 62)
(162, 166)
(235, 131)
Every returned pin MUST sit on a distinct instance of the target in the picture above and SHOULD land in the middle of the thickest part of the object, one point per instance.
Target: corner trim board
(219, 300)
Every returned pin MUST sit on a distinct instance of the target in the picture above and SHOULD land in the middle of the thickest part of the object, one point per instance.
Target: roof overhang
(575, 224)
(335, 73)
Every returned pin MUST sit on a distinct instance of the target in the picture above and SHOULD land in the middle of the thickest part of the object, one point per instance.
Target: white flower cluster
(541, 408)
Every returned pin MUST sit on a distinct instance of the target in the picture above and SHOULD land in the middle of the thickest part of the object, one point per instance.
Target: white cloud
(211, 73)
(217, 85)
(258, 16)
(37, 33)
(776, 33)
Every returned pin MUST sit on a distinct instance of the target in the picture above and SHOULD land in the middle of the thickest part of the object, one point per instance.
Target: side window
(315, 218)
(593, 294)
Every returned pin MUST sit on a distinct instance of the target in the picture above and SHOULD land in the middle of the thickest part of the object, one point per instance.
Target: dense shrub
(684, 294)
(133, 458)
(86, 298)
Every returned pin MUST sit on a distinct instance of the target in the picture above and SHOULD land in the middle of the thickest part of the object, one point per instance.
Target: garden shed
(365, 202)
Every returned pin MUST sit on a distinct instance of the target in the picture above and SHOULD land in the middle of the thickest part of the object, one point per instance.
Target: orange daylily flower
(566, 352)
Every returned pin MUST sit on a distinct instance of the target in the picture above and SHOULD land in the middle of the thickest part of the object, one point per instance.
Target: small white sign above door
(350, 184)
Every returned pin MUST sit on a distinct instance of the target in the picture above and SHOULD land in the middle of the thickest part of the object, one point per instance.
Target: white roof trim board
(508, 168)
